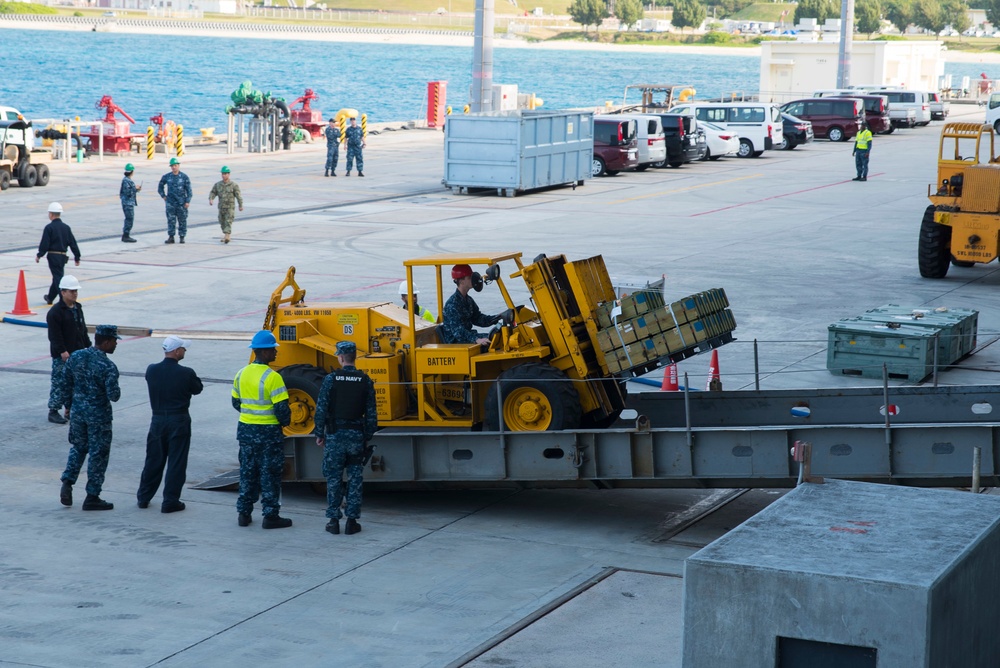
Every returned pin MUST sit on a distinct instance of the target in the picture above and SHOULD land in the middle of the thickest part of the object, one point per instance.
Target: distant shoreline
(389, 36)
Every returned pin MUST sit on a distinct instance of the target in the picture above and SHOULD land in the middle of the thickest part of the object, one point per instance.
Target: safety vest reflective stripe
(256, 402)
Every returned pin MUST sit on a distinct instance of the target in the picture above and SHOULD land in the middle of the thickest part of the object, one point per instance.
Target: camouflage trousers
(262, 458)
(355, 154)
(344, 444)
(90, 440)
(59, 395)
(177, 218)
(332, 156)
(129, 211)
(226, 216)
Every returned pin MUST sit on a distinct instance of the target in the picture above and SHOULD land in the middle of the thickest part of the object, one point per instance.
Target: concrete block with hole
(851, 575)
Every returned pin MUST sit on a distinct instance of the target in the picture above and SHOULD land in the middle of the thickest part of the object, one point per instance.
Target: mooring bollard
(364, 126)
(465, 109)
(149, 142)
(180, 141)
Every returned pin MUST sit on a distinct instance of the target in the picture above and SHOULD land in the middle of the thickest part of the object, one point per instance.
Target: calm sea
(189, 79)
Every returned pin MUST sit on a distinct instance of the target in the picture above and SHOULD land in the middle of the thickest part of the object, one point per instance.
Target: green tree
(929, 14)
(589, 13)
(629, 12)
(957, 12)
(992, 8)
(821, 10)
(688, 14)
(900, 13)
(868, 16)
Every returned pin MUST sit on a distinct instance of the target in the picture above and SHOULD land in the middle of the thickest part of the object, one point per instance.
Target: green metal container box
(857, 347)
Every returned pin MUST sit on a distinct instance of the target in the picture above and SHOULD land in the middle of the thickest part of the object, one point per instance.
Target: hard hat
(174, 161)
(460, 271)
(55, 207)
(263, 339)
(346, 348)
(404, 288)
(172, 343)
(69, 283)
(225, 170)
(129, 168)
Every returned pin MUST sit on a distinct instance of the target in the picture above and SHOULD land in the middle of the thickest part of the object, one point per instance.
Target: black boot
(360, 173)
(326, 172)
(169, 240)
(333, 526)
(182, 239)
(352, 526)
(127, 239)
(276, 522)
(96, 503)
(66, 494)
(243, 520)
(56, 418)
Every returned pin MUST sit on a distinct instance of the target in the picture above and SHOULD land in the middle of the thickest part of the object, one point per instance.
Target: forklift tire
(4, 179)
(934, 248)
(962, 263)
(43, 175)
(536, 397)
(303, 382)
(28, 177)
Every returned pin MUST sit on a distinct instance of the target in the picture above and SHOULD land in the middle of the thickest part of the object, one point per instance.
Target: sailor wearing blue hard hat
(259, 394)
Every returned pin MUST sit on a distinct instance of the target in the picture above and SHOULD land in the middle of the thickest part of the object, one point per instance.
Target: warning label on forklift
(347, 319)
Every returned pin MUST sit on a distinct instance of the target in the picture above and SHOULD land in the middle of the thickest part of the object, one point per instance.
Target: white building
(790, 70)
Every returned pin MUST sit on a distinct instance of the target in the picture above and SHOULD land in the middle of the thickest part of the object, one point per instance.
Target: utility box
(518, 150)
(851, 575)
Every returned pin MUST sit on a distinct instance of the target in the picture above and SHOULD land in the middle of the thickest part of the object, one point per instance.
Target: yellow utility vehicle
(962, 224)
(541, 371)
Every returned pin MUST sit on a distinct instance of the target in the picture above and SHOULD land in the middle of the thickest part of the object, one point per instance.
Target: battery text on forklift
(441, 361)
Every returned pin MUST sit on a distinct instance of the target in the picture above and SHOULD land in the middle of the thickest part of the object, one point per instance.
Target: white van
(917, 100)
(757, 123)
(993, 112)
(652, 142)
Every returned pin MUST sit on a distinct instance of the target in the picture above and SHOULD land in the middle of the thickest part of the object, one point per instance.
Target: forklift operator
(461, 313)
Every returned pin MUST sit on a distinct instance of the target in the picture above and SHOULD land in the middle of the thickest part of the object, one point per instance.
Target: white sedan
(721, 142)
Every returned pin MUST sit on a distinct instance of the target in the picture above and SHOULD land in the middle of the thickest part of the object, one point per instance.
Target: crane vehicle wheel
(28, 177)
(4, 179)
(303, 382)
(746, 148)
(934, 248)
(536, 397)
(43, 175)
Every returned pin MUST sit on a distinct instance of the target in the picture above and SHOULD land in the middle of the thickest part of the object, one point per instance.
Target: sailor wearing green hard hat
(175, 189)
(229, 196)
(127, 195)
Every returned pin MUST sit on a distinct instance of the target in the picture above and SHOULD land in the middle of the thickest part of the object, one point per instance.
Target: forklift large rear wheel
(536, 397)
(303, 382)
(962, 263)
(934, 248)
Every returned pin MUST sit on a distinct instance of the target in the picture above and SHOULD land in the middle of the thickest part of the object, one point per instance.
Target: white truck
(993, 112)
(18, 160)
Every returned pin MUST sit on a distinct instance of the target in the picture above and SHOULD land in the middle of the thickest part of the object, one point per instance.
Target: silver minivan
(907, 99)
(652, 142)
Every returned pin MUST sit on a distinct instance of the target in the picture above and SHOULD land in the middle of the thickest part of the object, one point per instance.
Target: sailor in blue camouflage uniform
(175, 189)
(93, 380)
(332, 133)
(461, 313)
(127, 194)
(355, 140)
(260, 396)
(67, 330)
(346, 418)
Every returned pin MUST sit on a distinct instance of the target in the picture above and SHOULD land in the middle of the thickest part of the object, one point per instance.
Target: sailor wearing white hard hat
(420, 311)
(57, 238)
(67, 332)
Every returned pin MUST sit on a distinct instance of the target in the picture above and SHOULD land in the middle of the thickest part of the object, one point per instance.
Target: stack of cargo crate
(649, 332)
(909, 341)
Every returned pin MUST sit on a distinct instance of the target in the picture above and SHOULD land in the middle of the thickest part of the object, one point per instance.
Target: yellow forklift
(962, 224)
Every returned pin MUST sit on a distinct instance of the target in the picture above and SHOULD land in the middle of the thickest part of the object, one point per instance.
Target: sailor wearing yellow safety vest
(260, 396)
(862, 149)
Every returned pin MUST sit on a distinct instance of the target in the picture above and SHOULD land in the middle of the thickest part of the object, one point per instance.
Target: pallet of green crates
(957, 327)
(650, 333)
(858, 347)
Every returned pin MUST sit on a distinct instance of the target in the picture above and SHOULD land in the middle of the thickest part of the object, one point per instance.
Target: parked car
(758, 123)
(905, 99)
(836, 118)
(993, 112)
(680, 132)
(796, 131)
(616, 146)
(719, 141)
(939, 107)
(651, 141)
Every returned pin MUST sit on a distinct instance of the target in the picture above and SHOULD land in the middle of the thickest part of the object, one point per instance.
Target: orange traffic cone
(21, 300)
(669, 379)
(714, 380)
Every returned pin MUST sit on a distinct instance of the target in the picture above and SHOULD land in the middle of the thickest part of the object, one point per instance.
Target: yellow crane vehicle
(962, 224)
(558, 364)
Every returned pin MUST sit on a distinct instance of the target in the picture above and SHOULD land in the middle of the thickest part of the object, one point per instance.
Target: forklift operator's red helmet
(460, 271)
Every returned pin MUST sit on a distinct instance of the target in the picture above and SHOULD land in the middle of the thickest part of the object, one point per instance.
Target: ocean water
(51, 74)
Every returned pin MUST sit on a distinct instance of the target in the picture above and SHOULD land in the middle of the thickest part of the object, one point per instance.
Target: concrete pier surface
(435, 578)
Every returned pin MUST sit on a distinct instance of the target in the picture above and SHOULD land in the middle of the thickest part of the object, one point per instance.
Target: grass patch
(765, 11)
(25, 8)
